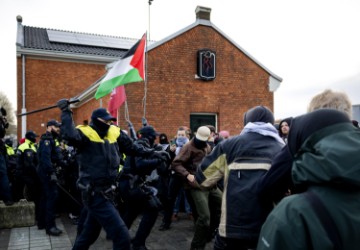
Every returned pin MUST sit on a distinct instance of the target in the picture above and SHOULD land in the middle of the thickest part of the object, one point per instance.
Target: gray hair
(331, 100)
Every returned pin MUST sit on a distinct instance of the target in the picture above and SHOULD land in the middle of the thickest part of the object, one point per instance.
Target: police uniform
(98, 147)
(49, 154)
(5, 192)
(26, 170)
(138, 191)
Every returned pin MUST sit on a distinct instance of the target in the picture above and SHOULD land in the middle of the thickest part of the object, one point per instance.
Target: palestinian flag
(130, 68)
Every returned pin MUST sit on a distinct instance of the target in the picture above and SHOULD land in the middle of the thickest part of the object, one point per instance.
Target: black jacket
(98, 158)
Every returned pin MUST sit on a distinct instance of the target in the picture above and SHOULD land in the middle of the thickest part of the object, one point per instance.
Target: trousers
(100, 212)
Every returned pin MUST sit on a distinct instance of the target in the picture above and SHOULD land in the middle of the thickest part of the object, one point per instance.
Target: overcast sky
(311, 44)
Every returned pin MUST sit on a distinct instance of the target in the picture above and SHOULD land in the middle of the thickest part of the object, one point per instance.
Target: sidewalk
(177, 238)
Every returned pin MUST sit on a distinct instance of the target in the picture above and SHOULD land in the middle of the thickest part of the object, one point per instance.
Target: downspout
(20, 44)
(23, 109)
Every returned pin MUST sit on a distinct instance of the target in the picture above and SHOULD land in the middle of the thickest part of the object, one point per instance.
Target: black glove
(53, 178)
(63, 104)
(163, 155)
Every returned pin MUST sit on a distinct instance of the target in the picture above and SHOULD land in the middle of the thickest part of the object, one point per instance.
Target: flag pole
(146, 66)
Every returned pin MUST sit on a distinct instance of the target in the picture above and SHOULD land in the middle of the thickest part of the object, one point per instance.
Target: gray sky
(311, 44)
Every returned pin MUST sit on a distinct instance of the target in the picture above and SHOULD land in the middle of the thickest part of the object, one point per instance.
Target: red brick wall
(48, 81)
(173, 92)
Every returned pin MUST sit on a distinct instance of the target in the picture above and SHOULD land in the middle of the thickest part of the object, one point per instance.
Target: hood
(327, 153)
(259, 114)
(288, 121)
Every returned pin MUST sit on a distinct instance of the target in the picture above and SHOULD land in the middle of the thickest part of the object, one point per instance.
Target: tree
(6, 104)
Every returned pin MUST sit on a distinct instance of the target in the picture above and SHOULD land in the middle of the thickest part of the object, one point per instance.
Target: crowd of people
(292, 184)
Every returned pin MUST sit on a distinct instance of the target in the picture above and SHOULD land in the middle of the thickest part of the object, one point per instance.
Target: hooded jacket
(241, 160)
(326, 160)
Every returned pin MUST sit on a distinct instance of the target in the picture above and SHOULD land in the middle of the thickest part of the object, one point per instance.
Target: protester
(284, 127)
(185, 164)
(175, 181)
(332, 100)
(241, 160)
(330, 174)
(277, 182)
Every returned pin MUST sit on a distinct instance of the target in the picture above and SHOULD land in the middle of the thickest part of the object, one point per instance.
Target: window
(201, 119)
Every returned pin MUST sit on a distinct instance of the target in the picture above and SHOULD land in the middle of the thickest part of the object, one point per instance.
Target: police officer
(26, 170)
(49, 155)
(139, 193)
(12, 162)
(98, 146)
(5, 192)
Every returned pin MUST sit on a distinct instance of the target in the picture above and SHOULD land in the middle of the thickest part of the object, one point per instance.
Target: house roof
(210, 24)
(39, 39)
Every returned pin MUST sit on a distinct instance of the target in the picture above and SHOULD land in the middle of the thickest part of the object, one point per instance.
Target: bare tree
(6, 104)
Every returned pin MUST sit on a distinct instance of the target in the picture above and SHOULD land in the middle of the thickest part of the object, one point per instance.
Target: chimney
(203, 13)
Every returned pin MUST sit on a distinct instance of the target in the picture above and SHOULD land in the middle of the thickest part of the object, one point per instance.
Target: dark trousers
(47, 204)
(34, 191)
(133, 209)
(222, 243)
(5, 192)
(175, 184)
(99, 212)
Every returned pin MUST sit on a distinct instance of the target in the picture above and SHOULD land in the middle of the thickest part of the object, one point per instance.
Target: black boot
(54, 231)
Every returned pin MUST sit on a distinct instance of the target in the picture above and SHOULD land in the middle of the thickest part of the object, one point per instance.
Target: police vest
(27, 155)
(99, 159)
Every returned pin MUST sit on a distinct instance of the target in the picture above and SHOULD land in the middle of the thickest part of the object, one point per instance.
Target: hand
(172, 147)
(192, 181)
(190, 177)
(53, 178)
(63, 104)
(164, 156)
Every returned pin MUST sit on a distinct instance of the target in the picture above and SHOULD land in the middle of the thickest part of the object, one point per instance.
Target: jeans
(99, 212)
(175, 184)
(182, 196)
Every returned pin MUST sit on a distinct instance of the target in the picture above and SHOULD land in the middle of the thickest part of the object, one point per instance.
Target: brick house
(195, 76)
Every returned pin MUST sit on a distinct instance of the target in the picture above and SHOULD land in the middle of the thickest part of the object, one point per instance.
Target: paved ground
(177, 238)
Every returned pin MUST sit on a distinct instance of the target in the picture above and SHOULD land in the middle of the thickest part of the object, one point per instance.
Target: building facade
(195, 76)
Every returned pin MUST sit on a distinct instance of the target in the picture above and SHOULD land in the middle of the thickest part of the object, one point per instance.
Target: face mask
(101, 127)
(199, 144)
(54, 133)
(181, 141)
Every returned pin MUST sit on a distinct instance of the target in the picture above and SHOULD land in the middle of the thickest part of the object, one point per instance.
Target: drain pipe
(23, 109)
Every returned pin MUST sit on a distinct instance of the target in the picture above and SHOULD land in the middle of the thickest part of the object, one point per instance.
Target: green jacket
(328, 163)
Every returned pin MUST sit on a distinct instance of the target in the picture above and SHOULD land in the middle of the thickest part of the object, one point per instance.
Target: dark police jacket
(98, 158)
(49, 154)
